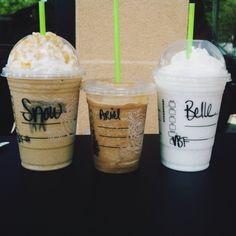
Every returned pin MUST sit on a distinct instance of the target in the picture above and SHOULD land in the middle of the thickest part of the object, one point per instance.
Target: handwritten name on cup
(203, 110)
(36, 113)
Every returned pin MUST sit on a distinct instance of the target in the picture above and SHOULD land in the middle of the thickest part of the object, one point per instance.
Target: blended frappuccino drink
(189, 99)
(44, 76)
(117, 119)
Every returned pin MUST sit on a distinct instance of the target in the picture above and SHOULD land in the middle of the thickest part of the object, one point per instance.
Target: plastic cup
(189, 106)
(45, 113)
(45, 110)
(117, 119)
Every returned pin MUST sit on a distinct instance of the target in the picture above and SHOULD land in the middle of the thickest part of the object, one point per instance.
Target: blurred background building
(215, 21)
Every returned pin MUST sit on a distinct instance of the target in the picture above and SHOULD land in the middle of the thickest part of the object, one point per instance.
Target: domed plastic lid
(42, 56)
(205, 62)
(124, 88)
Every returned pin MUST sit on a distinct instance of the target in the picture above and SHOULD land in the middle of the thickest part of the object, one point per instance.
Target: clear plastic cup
(45, 106)
(189, 100)
(117, 119)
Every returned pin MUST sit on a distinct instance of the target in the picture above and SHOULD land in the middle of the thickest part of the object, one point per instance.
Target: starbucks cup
(44, 78)
(189, 99)
(117, 119)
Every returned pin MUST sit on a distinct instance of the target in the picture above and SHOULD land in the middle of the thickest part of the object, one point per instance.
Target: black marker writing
(198, 112)
(38, 112)
(109, 115)
(179, 141)
(22, 139)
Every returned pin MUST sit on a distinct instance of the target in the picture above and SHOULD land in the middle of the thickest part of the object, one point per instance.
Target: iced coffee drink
(44, 75)
(117, 120)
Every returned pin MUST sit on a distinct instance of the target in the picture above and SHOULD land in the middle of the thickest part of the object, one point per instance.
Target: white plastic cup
(188, 107)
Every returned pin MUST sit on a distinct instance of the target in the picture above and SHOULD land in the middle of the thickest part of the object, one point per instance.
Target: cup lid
(205, 62)
(42, 56)
(124, 88)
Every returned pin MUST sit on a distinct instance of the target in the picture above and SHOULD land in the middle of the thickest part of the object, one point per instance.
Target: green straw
(191, 12)
(117, 40)
(42, 19)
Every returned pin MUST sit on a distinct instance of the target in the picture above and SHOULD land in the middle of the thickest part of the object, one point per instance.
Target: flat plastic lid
(124, 88)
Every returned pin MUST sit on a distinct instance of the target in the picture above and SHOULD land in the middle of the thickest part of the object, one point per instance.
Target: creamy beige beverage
(117, 120)
(44, 77)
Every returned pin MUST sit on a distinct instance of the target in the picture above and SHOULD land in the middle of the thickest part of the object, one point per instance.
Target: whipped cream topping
(41, 56)
(200, 64)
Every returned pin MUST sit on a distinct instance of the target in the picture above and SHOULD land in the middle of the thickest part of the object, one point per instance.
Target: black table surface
(154, 200)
